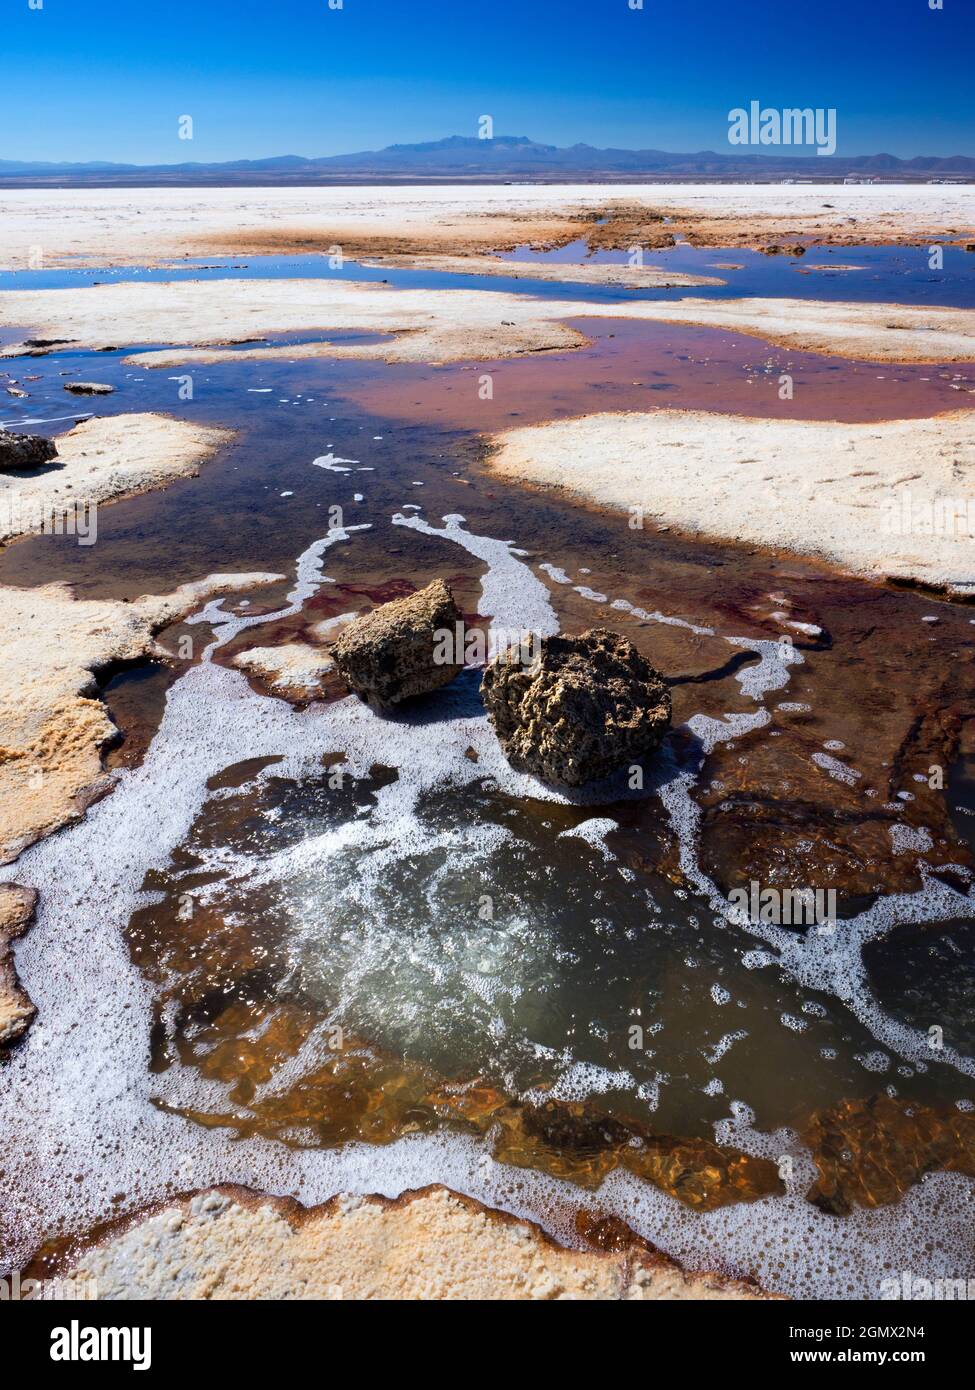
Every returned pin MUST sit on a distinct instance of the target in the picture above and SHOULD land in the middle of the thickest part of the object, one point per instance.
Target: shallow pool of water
(882, 274)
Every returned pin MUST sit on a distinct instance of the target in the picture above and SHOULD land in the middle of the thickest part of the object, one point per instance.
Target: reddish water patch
(632, 365)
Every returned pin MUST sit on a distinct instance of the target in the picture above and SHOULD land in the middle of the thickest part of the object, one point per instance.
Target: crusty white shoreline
(104, 459)
(854, 495)
(429, 1244)
(204, 317)
(146, 226)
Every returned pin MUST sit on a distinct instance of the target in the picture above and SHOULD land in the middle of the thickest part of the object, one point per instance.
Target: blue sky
(109, 79)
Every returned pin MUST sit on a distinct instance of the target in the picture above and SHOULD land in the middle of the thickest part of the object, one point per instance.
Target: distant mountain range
(510, 158)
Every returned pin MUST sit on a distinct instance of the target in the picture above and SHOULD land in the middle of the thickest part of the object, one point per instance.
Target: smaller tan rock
(16, 1010)
(391, 654)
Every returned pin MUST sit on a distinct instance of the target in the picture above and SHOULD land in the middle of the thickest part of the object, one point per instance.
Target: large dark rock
(583, 708)
(397, 651)
(25, 450)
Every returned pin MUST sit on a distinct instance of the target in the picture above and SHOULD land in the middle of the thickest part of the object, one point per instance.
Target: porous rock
(581, 709)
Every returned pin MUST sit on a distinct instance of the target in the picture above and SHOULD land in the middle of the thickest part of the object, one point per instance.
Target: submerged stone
(869, 1153)
(25, 450)
(583, 708)
(88, 388)
(395, 651)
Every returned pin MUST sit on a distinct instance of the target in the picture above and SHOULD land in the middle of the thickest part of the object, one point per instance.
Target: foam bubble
(594, 832)
(840, 772)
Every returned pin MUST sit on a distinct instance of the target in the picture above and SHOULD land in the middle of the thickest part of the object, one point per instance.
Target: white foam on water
(625, 606)
(553, 572)
(904, 839)
(584, 1079)
(510, 594)
(711, 731)
(308, 579)
(827, 958)
(724, 1043)
(332, 463)
(840, 772)
(795, 1025)
(773, 669)
(594, 832)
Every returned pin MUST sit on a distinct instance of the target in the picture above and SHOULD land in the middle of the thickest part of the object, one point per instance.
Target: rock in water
(396, 650)
(88, 388)
(25, 450)
(585, 706)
